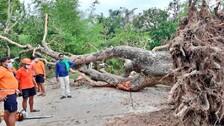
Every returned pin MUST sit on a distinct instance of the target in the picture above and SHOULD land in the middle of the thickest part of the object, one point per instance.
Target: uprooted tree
(197, 54)
(194, 66)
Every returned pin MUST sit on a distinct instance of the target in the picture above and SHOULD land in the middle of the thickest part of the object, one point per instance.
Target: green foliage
(16, 12)
(115, 66)
(3, 10)
(165, 31)
(128, 36)
(69, 32)
(150, 19)
(16, 7)
(156, 23)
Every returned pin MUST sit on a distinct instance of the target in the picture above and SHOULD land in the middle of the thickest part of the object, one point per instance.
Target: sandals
(42, 95)
(35, 110)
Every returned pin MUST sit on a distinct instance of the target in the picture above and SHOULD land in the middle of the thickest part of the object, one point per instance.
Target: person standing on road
(8, 90)
(62, 75)
(40, 75)
(27, 84)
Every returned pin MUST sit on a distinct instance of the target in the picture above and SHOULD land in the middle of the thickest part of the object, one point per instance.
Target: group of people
(27, 80)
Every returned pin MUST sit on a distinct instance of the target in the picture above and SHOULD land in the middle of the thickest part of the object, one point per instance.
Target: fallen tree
(194, 66)
(151, 67)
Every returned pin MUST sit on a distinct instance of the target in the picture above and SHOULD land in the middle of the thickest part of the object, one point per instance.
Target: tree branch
(93, 83)
(25, 51)
(160, 47)
(52, 40)
(45, 31)
(14, 43)
(8, 50)
(13, 25)
(9, 15)
(34, 50)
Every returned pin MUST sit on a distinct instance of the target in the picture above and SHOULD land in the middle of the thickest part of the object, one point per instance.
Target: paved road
(92, 106)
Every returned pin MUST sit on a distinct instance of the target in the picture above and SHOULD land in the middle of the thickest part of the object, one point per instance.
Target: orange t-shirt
(25, 77)
(38, 67)
(13, 69)
(7, 82)
(31, 64)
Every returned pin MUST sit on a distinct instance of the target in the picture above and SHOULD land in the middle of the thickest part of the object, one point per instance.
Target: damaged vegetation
(198, 60)
(194, 66)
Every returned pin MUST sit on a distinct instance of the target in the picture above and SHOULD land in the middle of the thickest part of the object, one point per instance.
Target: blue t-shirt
(60, 70)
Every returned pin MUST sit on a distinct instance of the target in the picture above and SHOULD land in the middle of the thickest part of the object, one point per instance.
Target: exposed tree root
(198, 59)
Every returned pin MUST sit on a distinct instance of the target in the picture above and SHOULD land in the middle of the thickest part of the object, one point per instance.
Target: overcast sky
(105, 5)
(141, 5)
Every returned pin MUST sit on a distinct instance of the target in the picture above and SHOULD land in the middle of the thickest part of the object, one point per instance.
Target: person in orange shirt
(27, 84)
(8, 89)
(39, 69)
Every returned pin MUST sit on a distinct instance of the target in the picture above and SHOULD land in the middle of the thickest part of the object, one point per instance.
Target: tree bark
(150, 66)
(146, 62)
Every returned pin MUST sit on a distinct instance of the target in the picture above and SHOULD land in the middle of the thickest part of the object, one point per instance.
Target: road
(91, 106)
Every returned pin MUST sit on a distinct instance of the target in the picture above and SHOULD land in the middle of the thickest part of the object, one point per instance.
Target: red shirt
(25, 77)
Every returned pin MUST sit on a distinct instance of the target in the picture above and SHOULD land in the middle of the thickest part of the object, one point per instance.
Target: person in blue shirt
(62, 75)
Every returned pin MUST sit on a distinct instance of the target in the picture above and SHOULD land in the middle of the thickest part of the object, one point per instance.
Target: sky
(105, 5)
(141, 5)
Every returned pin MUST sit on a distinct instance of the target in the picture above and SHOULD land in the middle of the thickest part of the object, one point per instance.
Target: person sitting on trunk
(62, 75)
(27, 84)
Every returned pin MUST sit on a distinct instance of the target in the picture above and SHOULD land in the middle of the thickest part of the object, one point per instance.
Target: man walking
(62, 75)
(40, 75)
(8, 89)
(27, 84)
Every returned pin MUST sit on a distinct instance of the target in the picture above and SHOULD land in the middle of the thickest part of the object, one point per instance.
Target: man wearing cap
(8, 89)
(27, 84)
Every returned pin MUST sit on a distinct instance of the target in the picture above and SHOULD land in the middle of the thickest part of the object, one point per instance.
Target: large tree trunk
(143, 61)
(135, 83)
(151, 66)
